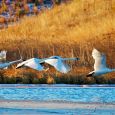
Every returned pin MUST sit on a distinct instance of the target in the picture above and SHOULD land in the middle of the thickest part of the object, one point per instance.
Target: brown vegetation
(67, 30)
(3, 22)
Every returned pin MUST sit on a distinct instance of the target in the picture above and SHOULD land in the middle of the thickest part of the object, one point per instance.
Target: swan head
(77, 58)
(19, 65)
(91, 74)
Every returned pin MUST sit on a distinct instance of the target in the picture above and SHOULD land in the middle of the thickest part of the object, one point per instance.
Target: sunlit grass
(72, 29)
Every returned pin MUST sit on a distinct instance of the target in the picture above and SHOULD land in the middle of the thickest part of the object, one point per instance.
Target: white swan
(100, 67)
(32, 63)
(3, 55)
(55, 61)
(59, 64)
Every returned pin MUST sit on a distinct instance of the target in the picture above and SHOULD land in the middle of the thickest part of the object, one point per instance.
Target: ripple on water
(71, 93)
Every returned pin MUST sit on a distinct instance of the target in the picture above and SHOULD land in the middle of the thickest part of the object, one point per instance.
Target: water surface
(58, 93)
(73, 93)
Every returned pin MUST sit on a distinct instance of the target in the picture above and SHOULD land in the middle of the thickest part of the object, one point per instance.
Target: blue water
(56, 92)
(7, 111)
(71, 93)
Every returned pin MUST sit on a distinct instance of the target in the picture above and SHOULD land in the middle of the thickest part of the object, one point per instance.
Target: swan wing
(100, 60)
(58, 64)
(4, 65)
(32, 63)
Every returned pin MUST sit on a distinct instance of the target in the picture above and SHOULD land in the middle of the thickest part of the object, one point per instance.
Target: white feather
(32, 63)
(58, 64)
(3, 55)
(55, 61)
(100, 60)
(100, 67)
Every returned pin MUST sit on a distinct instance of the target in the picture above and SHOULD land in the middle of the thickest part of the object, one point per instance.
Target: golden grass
(72, 29)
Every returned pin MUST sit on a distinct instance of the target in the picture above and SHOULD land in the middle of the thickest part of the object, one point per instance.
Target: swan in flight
(3, 55)
(32, 63)
(56, 61)
(100, 67)
(6, 64)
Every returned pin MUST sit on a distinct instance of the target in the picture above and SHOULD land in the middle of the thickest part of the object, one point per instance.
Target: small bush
(50, 80)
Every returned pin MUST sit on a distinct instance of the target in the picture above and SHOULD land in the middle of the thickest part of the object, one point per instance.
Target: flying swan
(4, 65)
(56, 61)
(100, 67)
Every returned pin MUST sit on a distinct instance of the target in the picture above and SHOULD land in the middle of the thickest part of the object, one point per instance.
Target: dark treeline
(13, 10)
(34, 1)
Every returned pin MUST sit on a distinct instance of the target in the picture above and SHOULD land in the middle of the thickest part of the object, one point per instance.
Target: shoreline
(54, 105)
(57, 85)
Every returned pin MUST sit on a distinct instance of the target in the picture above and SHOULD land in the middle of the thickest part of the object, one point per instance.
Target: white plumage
(58, 63)
(100, 60)
(32, 63)
(100, 64)
(55, 61)
(3, 55)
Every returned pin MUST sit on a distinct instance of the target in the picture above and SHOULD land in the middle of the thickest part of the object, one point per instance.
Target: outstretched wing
(4, 65)
(100, 60)
(58, 64)
(32, 63)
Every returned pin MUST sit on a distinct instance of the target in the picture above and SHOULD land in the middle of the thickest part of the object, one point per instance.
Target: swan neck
(70, 58)
(15, 61)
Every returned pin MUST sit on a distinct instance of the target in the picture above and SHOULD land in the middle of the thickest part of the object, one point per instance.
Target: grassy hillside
(72, 29)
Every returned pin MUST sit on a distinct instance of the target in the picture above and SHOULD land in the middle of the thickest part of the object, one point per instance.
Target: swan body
(56, 61)
(32, 63)
(100, 67)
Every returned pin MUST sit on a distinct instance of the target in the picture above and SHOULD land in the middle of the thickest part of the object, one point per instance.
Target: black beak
(18, 67)
(88, 75)
(78, 58)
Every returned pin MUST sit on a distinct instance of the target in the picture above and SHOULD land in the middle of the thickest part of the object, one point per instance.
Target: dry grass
(72, 29)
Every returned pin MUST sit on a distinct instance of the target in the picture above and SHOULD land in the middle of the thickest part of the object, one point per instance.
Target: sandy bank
(54, 105)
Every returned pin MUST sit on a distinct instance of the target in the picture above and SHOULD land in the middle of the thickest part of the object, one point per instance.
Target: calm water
(6, 111)
(71, 93)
